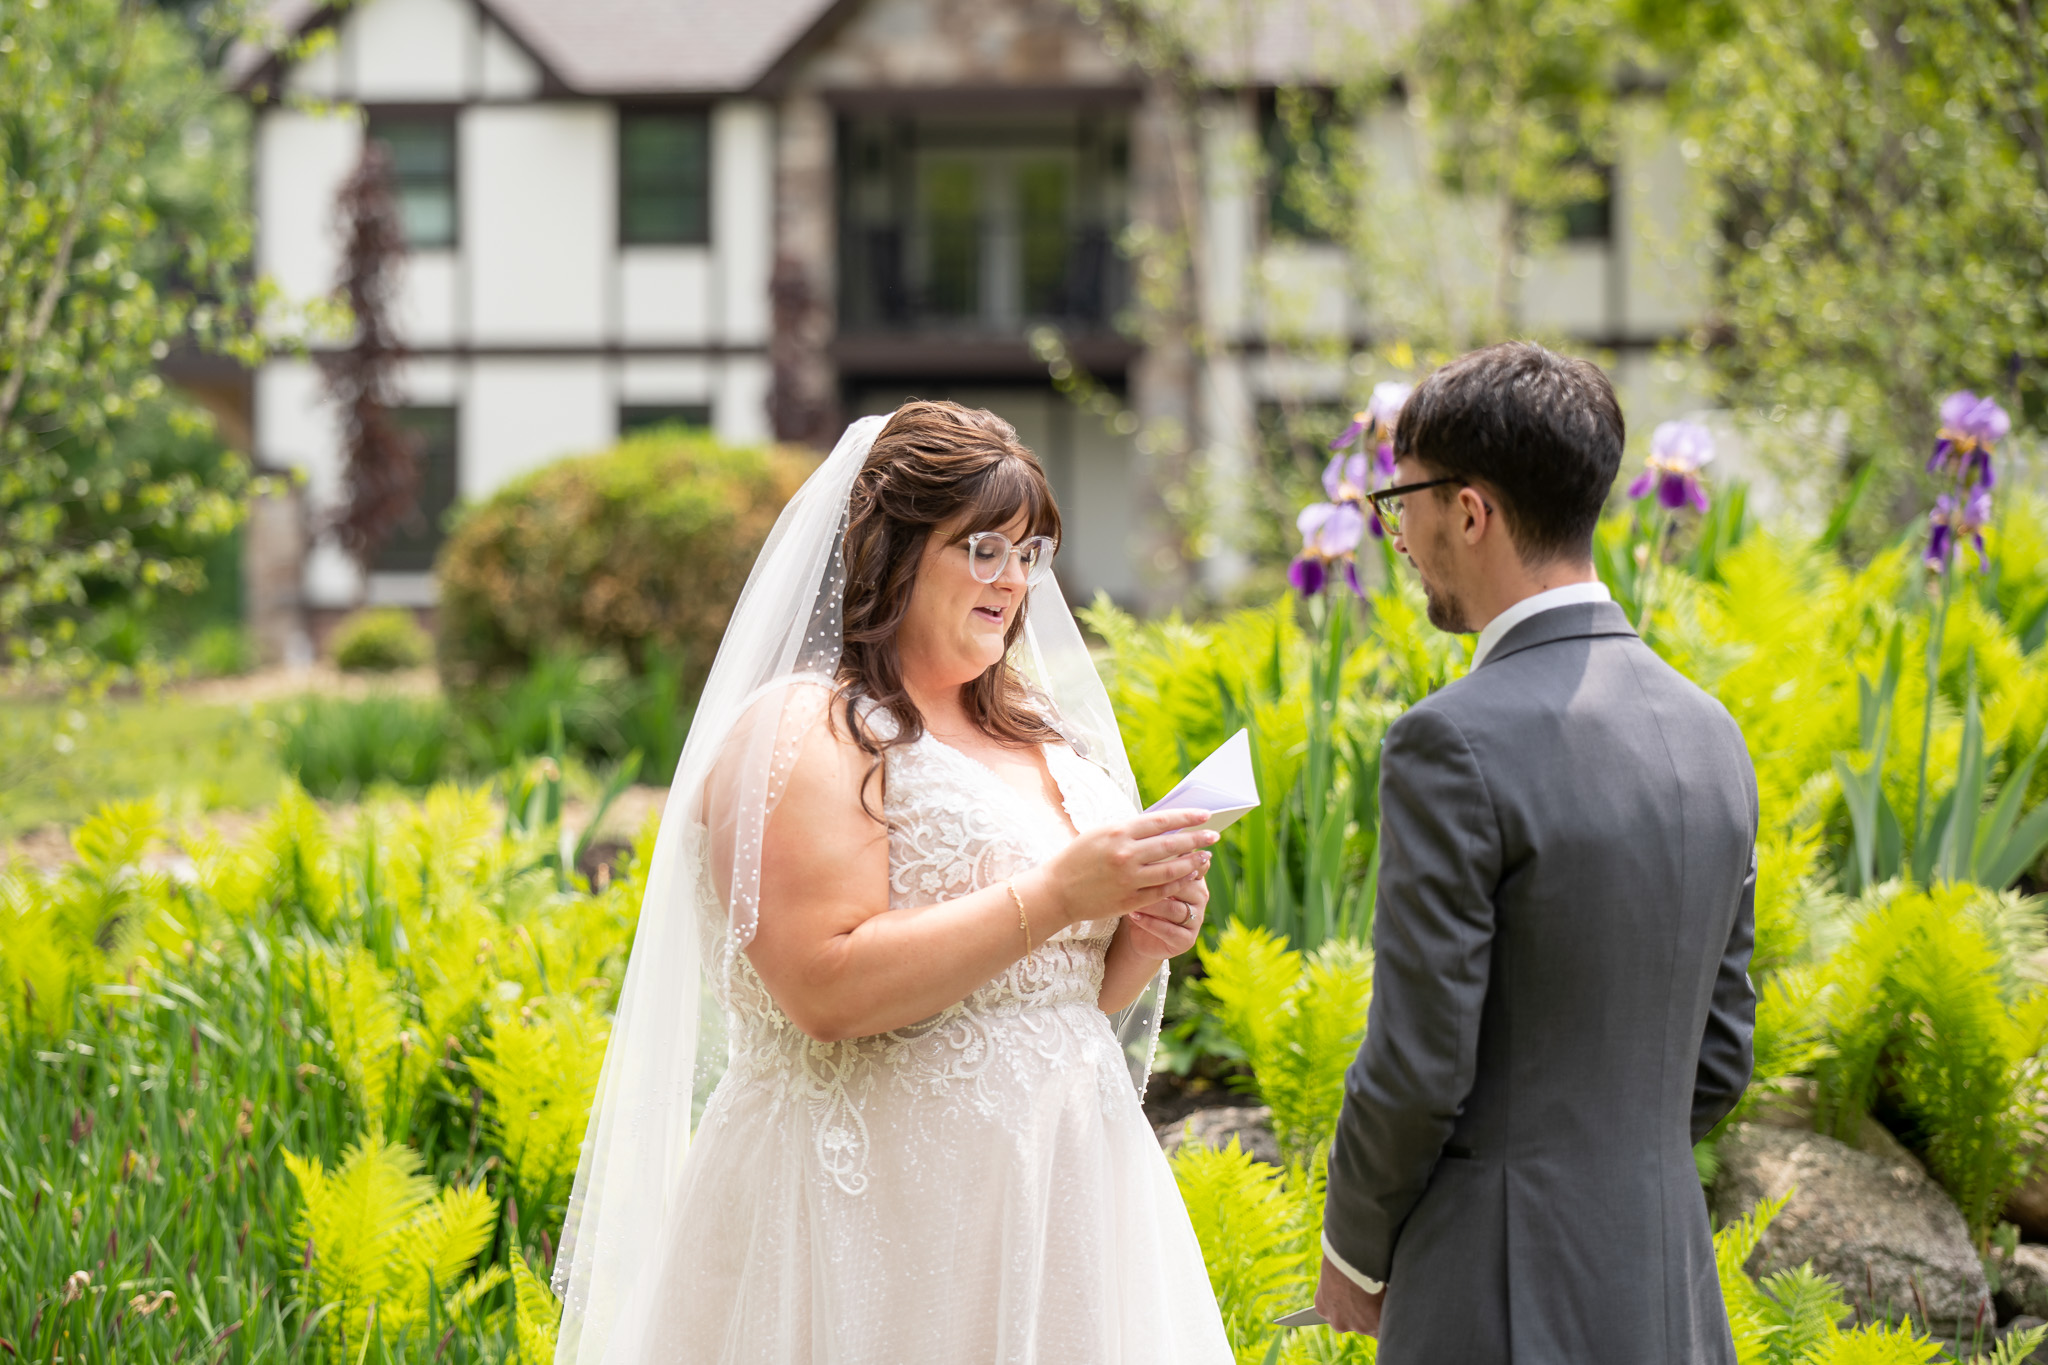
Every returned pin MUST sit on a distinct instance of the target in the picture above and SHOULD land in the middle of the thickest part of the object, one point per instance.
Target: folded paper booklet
(1221, 784)
(1300, 1317)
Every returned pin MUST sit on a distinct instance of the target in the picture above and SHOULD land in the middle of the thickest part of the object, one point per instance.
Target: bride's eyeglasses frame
(1034, 553)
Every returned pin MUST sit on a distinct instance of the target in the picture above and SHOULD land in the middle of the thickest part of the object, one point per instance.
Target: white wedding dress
(979, 1187)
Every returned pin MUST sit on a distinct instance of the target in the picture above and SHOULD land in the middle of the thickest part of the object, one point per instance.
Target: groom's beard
(1446, 612)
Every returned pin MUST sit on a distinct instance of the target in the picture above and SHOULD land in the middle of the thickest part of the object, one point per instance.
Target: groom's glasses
(988, 553)
(1387, 502)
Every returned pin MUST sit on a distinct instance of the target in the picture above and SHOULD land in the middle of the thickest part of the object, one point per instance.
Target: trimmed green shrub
(380, 639)
(637, 550)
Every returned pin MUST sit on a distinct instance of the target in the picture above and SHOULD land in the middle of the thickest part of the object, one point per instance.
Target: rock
(1880, 1228)
(2023, 1281)
(1251, 1125)
(1793, 1105)
(2028, 1207)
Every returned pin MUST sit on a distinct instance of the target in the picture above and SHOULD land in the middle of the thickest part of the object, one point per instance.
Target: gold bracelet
(1022, 922)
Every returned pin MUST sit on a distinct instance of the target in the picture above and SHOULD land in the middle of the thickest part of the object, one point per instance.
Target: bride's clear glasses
(988, 553)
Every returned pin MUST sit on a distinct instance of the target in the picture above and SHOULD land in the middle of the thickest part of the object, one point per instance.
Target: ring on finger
(1187, 916)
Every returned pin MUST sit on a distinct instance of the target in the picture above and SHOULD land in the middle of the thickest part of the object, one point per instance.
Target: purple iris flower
(1351, 568)
(1344, 478)
(1677, 451)
(1330, 529)
(1955, 522)
(1307, 574)
(1970, 426)
(1378, 415)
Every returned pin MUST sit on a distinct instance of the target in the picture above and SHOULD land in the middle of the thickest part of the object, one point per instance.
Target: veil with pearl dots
(779, 655)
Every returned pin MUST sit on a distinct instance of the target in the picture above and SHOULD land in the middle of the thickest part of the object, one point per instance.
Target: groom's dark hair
(1543, 432)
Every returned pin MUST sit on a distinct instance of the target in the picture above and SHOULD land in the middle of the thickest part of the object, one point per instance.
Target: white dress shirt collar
(1570, 595)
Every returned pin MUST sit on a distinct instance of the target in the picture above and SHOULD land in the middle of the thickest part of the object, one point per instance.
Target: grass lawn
(58, 761)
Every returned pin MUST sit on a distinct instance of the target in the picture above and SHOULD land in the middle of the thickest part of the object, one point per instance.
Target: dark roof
(648, 47)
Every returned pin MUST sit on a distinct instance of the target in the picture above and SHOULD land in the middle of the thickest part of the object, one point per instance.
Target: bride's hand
(1118, 869)
(1171, 927)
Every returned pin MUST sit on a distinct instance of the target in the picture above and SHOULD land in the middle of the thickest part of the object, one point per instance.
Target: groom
(1561, 1005)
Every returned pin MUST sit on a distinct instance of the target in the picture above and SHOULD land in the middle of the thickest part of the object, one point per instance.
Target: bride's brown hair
(936, 465)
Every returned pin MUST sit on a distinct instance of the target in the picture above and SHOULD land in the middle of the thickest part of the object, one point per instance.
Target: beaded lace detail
(954, 828)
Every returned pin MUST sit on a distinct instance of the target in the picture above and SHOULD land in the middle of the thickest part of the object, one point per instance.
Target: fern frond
(1250, 1229)
(2017, 1349)
(536, 1314)
(1872, 1345)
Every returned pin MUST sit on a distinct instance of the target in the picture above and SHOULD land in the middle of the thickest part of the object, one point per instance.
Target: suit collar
(1581, 621)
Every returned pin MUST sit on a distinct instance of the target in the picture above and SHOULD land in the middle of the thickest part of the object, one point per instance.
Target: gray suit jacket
(1561, 1007)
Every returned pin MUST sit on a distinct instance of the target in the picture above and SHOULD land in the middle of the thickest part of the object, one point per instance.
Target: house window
(1296, 131)
(1592, 219)
(422, 148)
(664, 177)
(638, 417)
(417, 538)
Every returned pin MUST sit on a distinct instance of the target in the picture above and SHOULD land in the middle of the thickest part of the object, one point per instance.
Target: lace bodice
(954, 828)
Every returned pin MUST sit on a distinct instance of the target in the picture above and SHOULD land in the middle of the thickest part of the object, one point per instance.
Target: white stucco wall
(666, 379)
(301, 161)
(739, 412)
(410, 50)
(665, 294)
(743, 217)
(521, 413)
(538, 212)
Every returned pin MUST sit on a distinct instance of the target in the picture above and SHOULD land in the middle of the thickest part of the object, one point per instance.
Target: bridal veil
(707, 863)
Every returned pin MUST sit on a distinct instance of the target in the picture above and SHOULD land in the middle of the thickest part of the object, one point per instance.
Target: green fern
(541, 1077)
(1919, 1000)
(536, 1314)
(375, 1049)
(377, 1237)
(1299, 1023)
(1250, 1226)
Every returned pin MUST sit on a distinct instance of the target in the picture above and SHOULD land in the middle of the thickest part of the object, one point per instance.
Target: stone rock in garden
(1793, 1106)
(1879, 1227)
(2028, 1207)
(2023, 1281)
(1251, 1125)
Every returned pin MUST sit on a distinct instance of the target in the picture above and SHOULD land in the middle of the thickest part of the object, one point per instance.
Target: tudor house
(767, 217)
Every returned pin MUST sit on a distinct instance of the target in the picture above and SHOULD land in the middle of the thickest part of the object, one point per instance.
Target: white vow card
(1221, 784)
(1301, 1317)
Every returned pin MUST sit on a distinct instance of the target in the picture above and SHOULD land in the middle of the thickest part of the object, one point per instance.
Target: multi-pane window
(984, 224)
(417, 538)
(664, 176)
(647, 416)
(422, 149)
(1296, 129)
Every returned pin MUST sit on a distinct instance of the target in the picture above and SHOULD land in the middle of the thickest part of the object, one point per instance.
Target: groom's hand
(1346, 1306)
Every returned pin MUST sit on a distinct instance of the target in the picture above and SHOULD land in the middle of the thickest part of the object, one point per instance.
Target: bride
(904, 851)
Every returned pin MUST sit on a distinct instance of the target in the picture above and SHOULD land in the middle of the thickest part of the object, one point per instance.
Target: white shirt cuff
(1365, 1282)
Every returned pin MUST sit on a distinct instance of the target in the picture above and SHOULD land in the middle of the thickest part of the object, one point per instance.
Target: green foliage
(541, 1077)
(379, 640)
(338, 747)
(296, 992)
(381, 1242)
(640, 549)
(1880, 194)
(220, 651)
(1303, 864)
(536, 1314)
(1928, 1007)
(1298, 1022)
(606, 712)
(126, 232)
